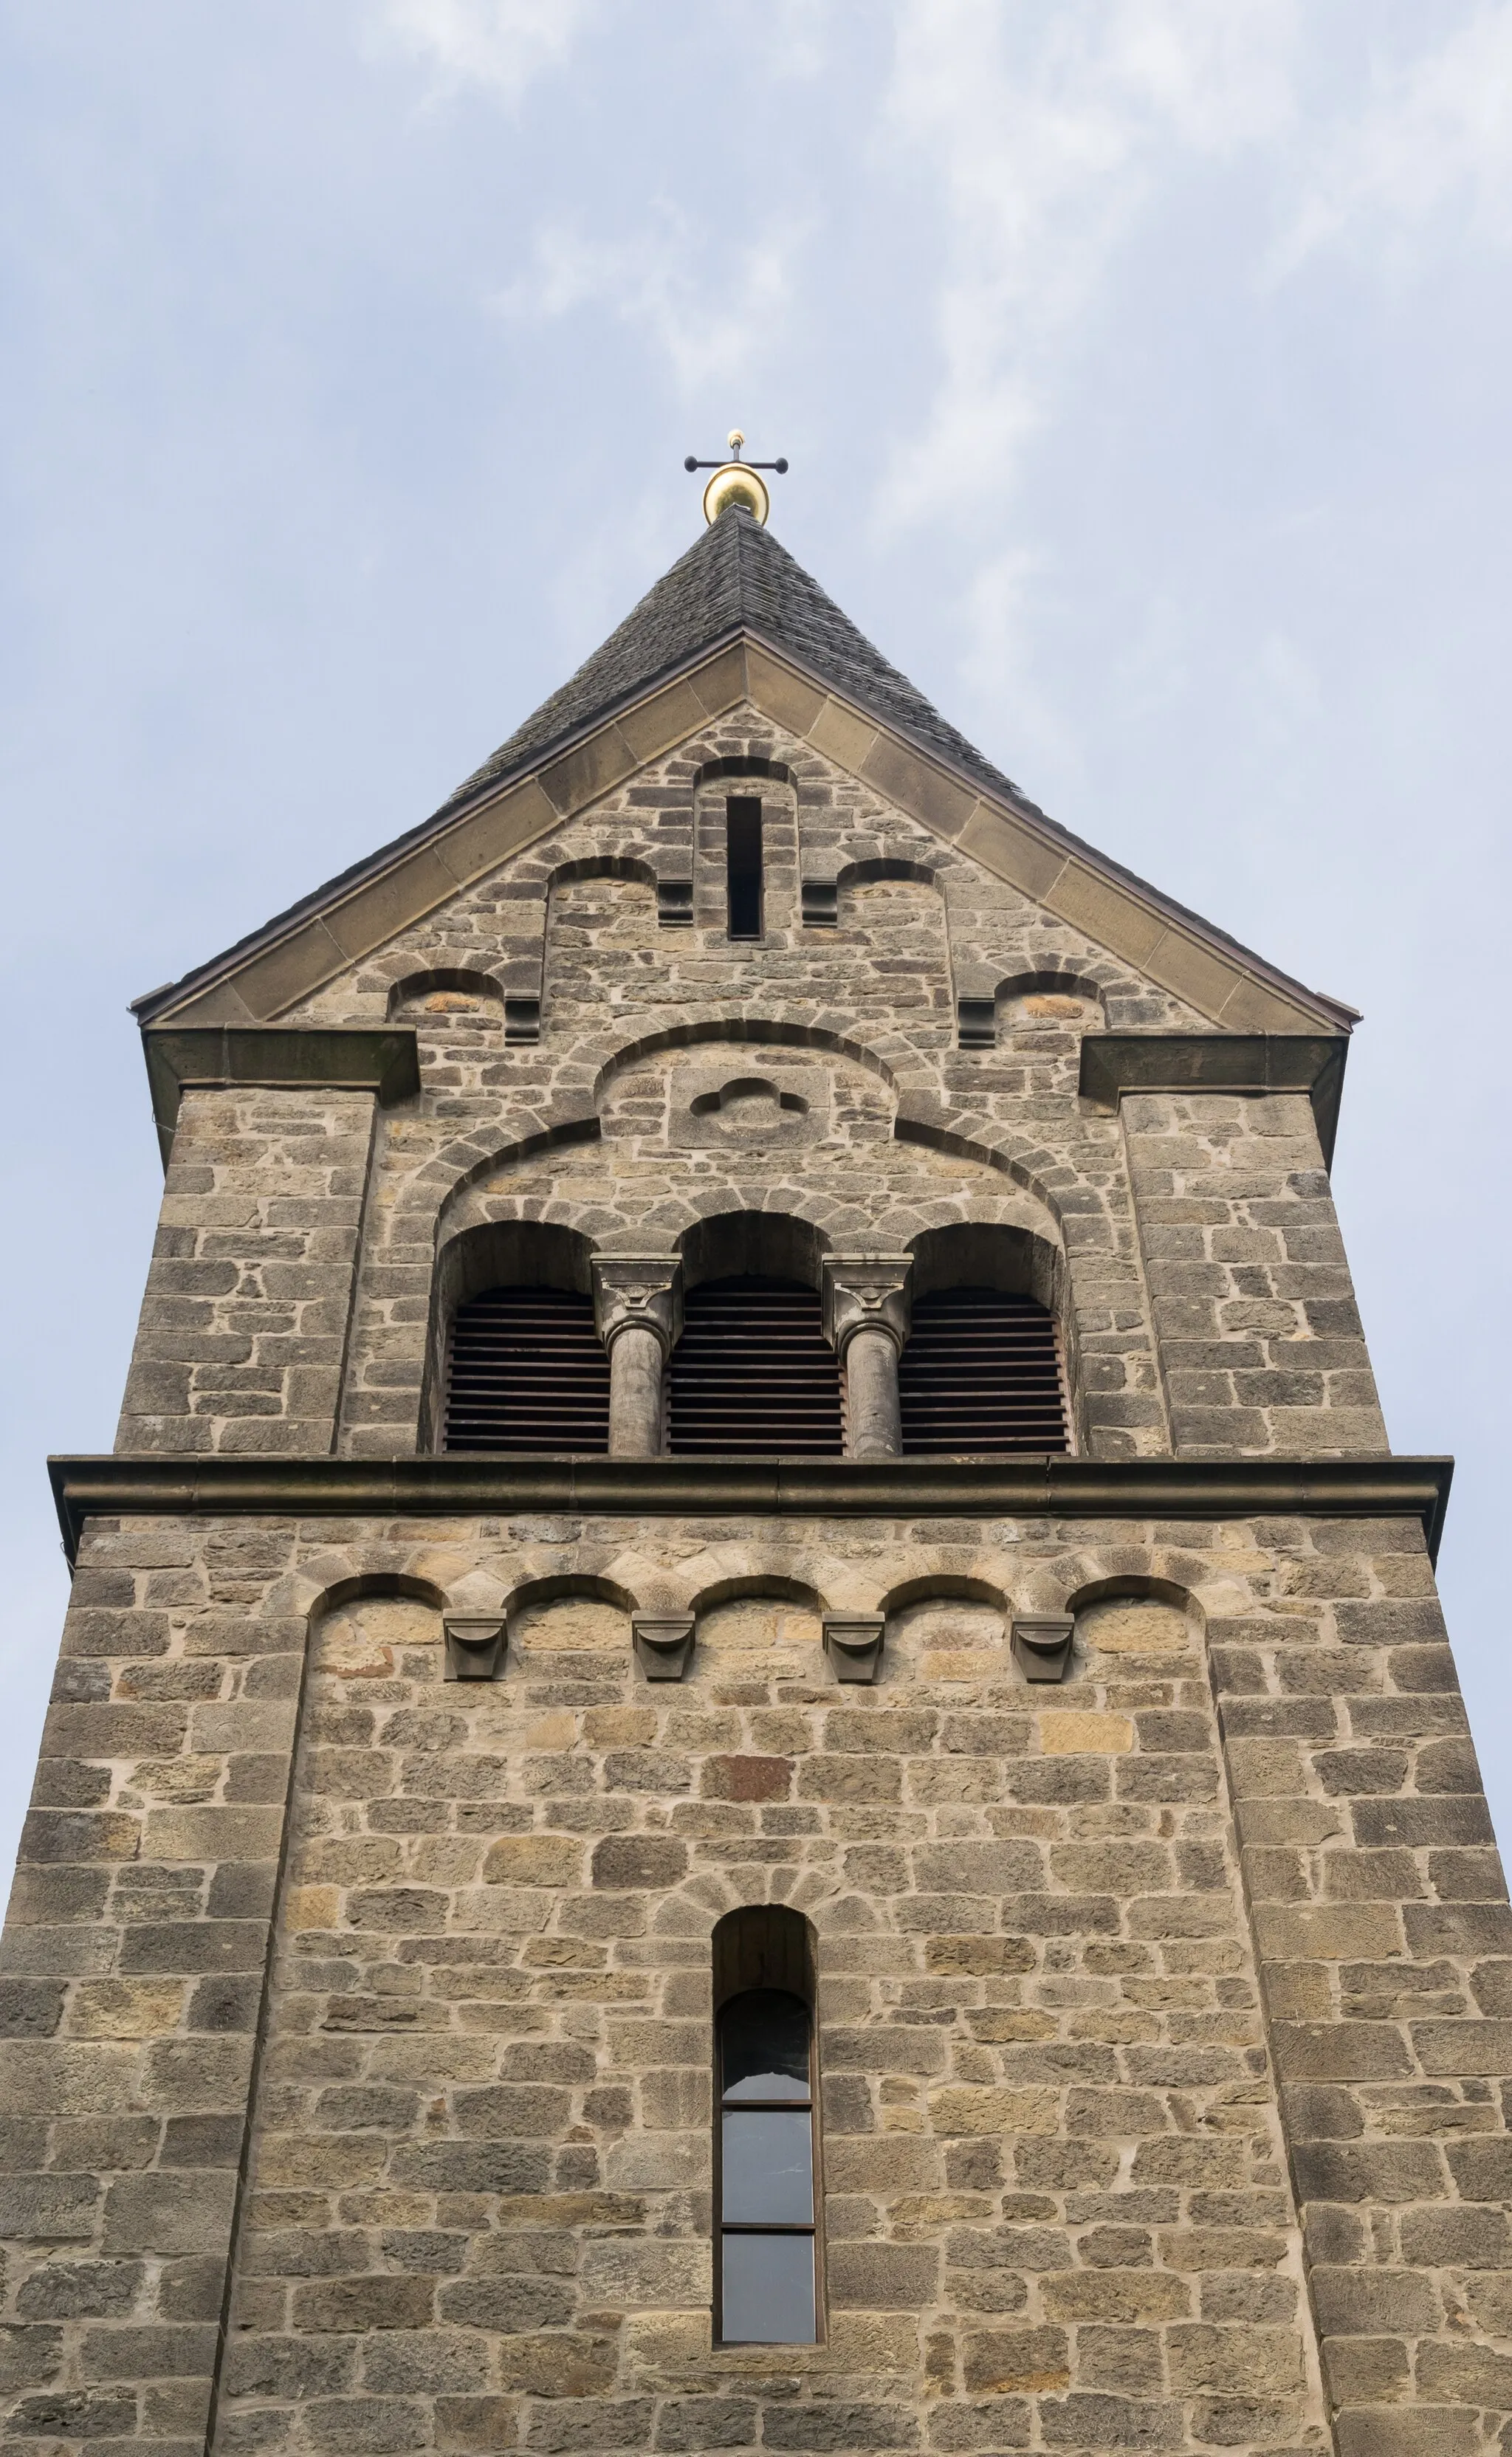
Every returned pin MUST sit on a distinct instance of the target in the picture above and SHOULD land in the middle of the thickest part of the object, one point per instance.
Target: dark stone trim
(153, 1486)
(975, 774)
(1117, 1063)
(179, 1055)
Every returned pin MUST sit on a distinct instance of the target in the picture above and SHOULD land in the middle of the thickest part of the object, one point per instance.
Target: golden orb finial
(736, 483)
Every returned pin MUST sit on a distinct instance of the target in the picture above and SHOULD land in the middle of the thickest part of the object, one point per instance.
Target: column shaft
(635, 1392)
(875, 1426)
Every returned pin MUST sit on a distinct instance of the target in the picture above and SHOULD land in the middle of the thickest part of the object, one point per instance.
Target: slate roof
(737, 577)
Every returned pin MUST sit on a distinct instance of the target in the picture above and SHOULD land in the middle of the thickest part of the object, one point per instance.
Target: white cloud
(706, 323)
(498, 44)
(1434, 134)
(1047, 129)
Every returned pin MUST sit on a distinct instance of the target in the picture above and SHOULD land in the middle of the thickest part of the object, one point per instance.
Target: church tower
(754, 1750)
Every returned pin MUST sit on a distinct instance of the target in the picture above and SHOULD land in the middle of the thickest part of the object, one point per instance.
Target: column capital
(865, 1290)
(644, 1289)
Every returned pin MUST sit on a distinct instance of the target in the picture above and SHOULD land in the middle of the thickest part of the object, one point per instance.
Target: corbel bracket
(854, 1644)
(1042, 1648)
(663, 1643)
(977, 1023)
(475, 1645)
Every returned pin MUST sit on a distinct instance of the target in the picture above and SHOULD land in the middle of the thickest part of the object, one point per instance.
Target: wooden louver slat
(527, 1371)
(981, 1376)
(754, 1373)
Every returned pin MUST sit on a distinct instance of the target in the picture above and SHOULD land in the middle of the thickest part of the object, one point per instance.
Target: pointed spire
(735, 578)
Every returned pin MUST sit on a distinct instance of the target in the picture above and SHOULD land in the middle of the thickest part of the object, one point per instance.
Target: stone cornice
(1117, 1063)
(341, 1057)
(120, 1485)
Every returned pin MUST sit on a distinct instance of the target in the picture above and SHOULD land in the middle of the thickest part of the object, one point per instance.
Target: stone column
(637, 1303)
(867, 1315)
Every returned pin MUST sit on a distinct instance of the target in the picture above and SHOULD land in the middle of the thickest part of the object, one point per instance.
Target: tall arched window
(754, 1372)
(766, 2197)
(766, 2171)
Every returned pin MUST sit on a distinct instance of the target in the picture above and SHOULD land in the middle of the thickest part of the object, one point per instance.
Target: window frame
(815, 2231)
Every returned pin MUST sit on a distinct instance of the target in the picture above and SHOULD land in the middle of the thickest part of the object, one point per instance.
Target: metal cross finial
(734, 439)
(735, 483)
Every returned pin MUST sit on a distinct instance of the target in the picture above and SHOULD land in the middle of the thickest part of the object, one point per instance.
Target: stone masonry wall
(249, 1298)
(979, 1134)
(1257, 1330)
(1058, 2210)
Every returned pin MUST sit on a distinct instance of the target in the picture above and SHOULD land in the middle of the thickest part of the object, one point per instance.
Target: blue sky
(1144, 366)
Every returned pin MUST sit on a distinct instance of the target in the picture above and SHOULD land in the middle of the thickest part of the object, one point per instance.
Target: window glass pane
(765, 2042)
(743, 840)
(768, 2289)
(768, 2168)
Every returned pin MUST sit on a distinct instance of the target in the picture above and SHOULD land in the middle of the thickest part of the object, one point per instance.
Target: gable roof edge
(324, 932)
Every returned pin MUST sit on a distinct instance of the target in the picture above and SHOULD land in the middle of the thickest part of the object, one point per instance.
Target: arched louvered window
(754, 1373)
(526, 1371)
(981, 1375)
(766, 2171)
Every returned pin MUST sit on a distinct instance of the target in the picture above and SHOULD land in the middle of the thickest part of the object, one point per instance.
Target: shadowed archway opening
(983, 1373)
(523, 1368)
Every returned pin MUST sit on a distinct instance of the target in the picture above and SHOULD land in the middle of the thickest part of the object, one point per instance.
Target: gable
(266, 976)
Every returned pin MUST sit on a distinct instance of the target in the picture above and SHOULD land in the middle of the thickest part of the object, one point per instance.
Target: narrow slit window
(766, 2171)
(743, 865)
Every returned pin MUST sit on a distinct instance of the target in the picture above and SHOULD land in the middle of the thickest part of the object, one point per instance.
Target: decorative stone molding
(645, 1290)
(663, 1643)
(820, 899)
(1255, 1062)
(346, 1058)
(475, 1645)
(1042, 1648)
(147, 1484)
(1009, 837)
(866, 1292)
(674, 903)
(852, 1642)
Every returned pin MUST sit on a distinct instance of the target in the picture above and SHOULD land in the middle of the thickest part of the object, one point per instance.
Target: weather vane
(735, 482)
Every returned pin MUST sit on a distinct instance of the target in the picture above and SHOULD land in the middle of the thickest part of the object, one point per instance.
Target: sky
(1144, 370)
